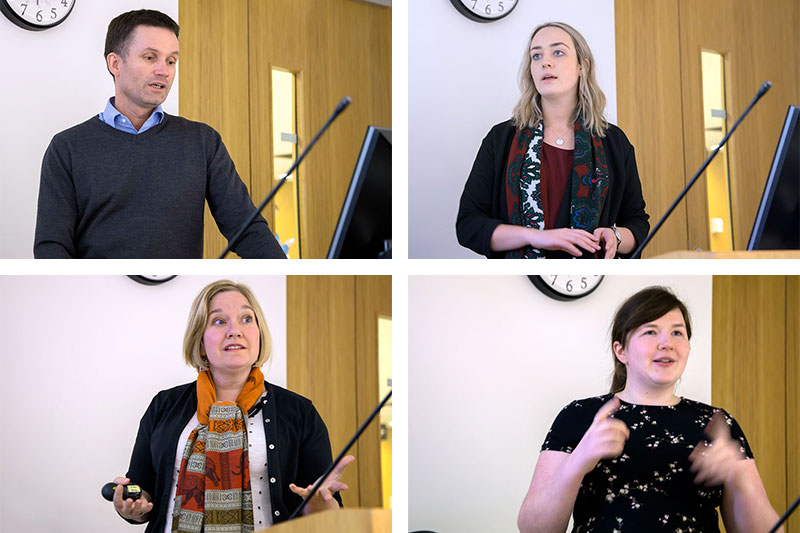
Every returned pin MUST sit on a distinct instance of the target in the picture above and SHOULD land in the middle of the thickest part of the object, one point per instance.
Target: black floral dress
(649, 486)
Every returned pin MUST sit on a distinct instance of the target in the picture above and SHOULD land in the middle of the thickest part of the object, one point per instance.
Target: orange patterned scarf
(214, 478)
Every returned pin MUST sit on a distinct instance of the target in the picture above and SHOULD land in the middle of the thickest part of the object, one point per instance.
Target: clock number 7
(24, 7)
(554, 280)
(473, 3)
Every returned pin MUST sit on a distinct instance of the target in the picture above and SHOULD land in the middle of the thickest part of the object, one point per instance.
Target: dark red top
(554, 174)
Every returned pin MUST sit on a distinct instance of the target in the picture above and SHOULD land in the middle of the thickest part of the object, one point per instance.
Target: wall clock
(566, 288)
(151, 279)
(36, 15)
(484, 10)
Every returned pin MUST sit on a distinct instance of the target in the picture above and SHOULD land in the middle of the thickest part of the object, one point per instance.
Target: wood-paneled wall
(648, 104)
(214, 89)
(659, 100)
(332, 358)
(336, 48)
(754, 372)
(792, 395)
(373, 300)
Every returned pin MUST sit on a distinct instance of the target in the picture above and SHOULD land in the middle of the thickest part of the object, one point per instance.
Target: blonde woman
(229, 451)
(557, 180)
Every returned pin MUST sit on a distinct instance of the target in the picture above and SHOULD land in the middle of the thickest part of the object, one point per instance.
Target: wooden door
(659, 93)
(335, 48)
(332, 359)
(753, 346)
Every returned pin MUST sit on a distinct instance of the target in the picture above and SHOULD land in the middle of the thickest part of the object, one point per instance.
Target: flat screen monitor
(777, 223)
(364, 230)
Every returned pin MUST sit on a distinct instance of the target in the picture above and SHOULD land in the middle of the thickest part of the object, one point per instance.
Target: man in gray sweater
(131, 182)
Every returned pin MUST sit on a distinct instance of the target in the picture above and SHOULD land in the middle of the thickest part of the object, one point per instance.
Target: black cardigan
(483, 202)
(301, 452)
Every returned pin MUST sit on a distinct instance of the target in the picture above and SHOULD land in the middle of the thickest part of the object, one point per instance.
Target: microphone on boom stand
(761, 92)
(340, 456)
(343, 103)
(785, 516)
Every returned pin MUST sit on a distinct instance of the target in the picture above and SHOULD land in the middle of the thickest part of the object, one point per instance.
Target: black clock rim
(543, 286)
(24, 24)
(477, 18)
(147, 281)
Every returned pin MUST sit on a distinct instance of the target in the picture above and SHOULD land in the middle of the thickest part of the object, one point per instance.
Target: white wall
(462, 81)
(81, 359)
(491, 361)
(52, 80)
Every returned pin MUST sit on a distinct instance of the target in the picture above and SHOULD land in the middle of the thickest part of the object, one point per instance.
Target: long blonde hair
(591, 100)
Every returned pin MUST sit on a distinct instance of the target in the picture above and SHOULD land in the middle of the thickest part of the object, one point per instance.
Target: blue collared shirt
(117, 120)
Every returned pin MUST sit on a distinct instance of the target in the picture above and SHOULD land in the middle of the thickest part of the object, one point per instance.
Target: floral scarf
(588, 183)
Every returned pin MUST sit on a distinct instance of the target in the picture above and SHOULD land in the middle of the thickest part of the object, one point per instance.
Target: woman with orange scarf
(230, 450)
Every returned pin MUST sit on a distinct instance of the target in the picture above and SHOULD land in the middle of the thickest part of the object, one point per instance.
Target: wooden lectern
(738, 254)
(341, 521)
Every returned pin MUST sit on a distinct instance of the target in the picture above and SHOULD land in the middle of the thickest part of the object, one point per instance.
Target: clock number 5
(583, 283)
(500, 4)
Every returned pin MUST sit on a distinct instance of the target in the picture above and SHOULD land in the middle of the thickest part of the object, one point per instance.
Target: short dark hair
(119, 32)
(645, 306)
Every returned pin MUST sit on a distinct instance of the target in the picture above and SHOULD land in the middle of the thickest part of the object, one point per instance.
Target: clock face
(566, 287)
(36, 14)
(484, 10)
(151, 279)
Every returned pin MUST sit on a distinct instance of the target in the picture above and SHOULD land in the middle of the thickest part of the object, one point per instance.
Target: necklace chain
(560, 138)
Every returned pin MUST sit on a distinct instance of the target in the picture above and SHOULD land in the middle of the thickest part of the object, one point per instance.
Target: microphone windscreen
(343, 103)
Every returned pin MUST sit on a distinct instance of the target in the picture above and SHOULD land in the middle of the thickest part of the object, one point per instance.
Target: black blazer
(301, 452)
(483, 202)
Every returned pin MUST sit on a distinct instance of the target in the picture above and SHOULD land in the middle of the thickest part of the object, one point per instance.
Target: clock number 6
(569, 285)
(38, 16)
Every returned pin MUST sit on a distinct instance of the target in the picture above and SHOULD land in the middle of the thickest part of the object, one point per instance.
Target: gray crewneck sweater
(105, 193)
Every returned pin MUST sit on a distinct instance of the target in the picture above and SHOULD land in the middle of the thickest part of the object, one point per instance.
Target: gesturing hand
(604, 439)
(716, 461)
(323, 499)
(608, 239)
(130, 509)
(565, 239)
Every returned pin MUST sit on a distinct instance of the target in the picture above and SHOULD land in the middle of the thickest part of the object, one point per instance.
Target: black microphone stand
(785, 516)
(341, 455)
(761, 92)
(233, 242)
